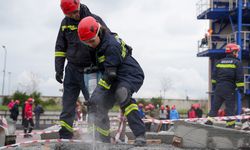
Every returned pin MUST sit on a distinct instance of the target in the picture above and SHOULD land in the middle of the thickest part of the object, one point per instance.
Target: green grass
(53, 108)
(4, 108)
(182, 111)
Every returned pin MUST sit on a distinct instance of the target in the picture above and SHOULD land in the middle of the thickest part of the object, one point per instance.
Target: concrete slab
(2, 136)
(194, 135)
(164, 136)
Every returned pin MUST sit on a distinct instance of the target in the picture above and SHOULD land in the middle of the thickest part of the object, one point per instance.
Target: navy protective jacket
(112, 52)
(68, 45)
(228, 74)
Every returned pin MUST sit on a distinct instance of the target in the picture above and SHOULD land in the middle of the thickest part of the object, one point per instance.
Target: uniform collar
(102, 36)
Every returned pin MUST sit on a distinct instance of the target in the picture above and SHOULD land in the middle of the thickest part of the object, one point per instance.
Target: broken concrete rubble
(185, 135)
(165, 137)
(194, 135)
(90, 146)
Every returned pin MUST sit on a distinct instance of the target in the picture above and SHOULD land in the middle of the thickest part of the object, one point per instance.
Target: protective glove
(59, 77)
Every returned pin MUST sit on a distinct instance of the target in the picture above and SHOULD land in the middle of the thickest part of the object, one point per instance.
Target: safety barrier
(34, 133)
(153, 120)
(204, 5)
(122, 120)
(225, 118)
(41, 141)
(214, 41)
(219, 41)
(245, 38)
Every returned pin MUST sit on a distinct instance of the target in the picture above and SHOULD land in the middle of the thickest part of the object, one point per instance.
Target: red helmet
(17, 101)
(140, 105)
(30, 99)
(162, 107)
(151, 106)
(69, 6)
(147, 107)
(231, 47)
(88, 28)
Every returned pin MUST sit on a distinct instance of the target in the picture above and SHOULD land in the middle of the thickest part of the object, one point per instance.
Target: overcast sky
(163, 34)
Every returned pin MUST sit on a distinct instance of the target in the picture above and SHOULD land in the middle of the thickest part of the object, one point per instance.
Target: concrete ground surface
(89, 146)
(20, 138)
(82, 145)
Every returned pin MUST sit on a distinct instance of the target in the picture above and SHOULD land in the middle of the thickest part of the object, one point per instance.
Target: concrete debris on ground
(183, 135)
(194, 135)
(164, 136)
(89, 146)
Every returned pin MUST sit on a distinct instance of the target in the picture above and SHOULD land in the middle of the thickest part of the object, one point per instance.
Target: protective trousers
(227, 96)
(37, 117)
(73, 83)
(28, 124)
(104, 100)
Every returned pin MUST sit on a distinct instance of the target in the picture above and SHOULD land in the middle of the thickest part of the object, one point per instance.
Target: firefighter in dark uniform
(121, 77)
(68, 46)
(227, 76)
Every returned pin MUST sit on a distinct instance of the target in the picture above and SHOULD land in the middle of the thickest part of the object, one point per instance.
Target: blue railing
(204, 5)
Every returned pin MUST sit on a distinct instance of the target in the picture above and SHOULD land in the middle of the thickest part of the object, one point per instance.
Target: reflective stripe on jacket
(111, 54)
(228, 72)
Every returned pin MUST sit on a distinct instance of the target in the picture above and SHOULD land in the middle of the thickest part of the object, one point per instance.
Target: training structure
(228, 23)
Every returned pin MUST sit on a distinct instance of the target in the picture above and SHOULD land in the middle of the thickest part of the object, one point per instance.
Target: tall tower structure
(229, 22)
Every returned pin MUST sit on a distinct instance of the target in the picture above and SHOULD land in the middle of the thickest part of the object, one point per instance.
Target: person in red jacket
(11, 104)
(28, 117)
(191, 112)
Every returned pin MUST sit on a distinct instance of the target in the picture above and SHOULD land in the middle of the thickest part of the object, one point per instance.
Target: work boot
(30, 130)
(231, 126)
(140, 140)
(25, 136)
